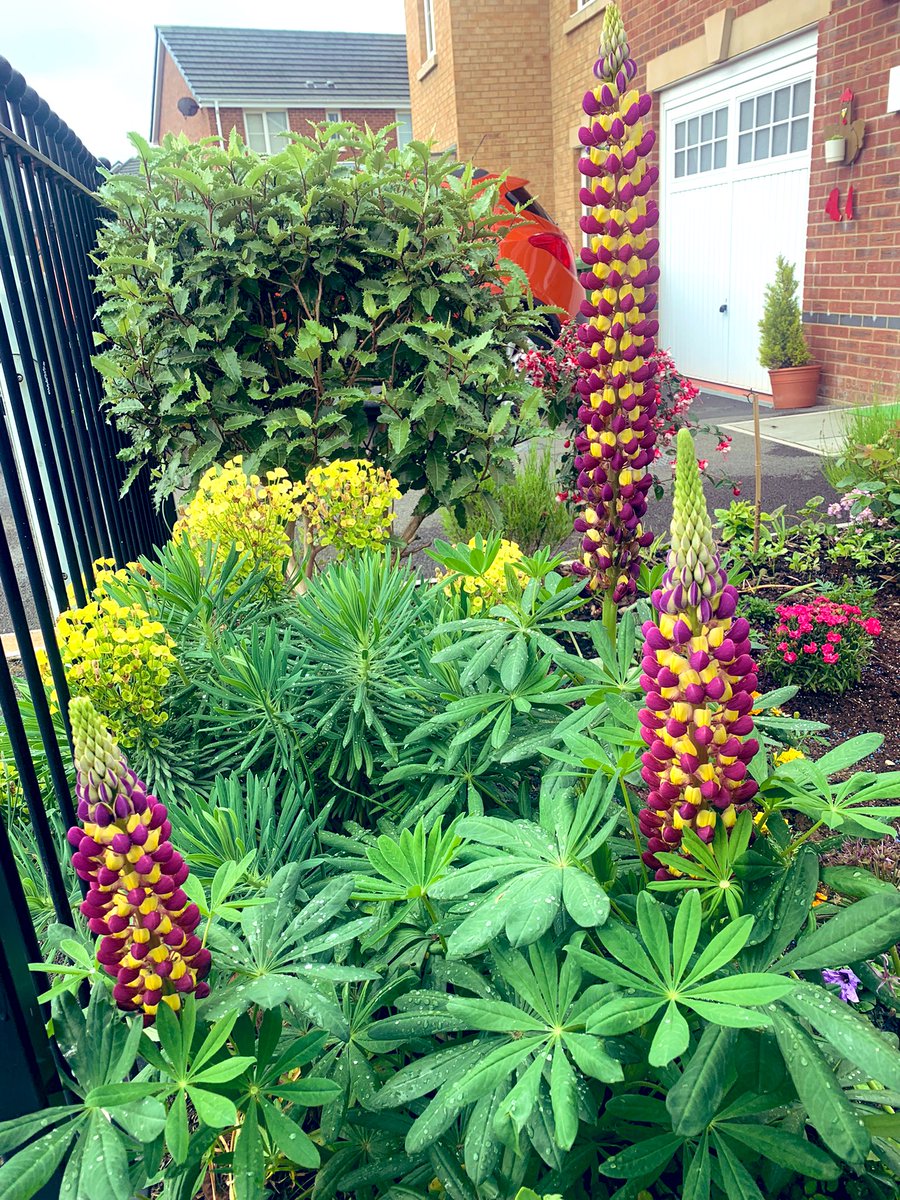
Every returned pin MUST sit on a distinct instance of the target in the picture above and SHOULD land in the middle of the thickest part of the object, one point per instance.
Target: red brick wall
(853, 267)
(172, 87)
(299, 119)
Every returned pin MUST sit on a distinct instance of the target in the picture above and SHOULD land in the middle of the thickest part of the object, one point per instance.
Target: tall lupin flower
(135, 899)
(617, 390)
(698, 677)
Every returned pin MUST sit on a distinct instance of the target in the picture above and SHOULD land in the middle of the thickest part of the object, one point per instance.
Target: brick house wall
(851, 287)
(172, 87)
(433, 80)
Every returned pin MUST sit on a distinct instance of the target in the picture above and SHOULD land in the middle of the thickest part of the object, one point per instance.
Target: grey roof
(129, 166)
(292, 67)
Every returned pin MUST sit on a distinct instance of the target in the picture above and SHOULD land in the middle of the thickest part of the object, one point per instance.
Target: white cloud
(92, 61)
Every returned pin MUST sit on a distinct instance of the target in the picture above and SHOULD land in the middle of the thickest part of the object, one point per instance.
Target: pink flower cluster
(803, 628)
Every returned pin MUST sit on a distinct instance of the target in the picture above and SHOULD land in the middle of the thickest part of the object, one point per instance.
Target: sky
(92, 60)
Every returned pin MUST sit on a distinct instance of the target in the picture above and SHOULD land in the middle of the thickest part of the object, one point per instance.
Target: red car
(538, 245)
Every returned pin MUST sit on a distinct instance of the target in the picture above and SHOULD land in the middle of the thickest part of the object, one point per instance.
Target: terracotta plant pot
(795, 387)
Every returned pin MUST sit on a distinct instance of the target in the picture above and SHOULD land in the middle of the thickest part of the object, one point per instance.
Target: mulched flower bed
(874, 703)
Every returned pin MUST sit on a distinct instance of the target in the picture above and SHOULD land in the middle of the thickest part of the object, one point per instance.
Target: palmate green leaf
(695, 1098)
(672, 1037)
(218, 1112)
(291, 1140)
(848, 1032)
(722, 949)
(591, 1059)
(515, 1110)
(645, 1158)
(443, 1110)
(28, 1171)
(786, 1149)
(563, 1098)
(829, 1111)
(736, 1179)
(21, 1129)
(248, 1160)
(697, 1173)
(747, 989)
(857, 932)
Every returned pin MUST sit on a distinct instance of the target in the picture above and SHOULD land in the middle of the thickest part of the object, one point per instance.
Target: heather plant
(266, 306)
(820, 645)
(530, 510)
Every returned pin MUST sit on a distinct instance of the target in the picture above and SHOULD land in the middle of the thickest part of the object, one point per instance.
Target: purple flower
(846, 980)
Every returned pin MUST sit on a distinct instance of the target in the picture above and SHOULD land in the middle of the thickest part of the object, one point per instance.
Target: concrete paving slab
(819, 431)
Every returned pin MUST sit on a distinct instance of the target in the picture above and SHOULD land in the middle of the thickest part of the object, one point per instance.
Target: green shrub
(525, 511)
(782, 343)
(265, 307)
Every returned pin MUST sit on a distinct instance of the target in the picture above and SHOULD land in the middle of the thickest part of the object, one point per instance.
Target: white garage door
(734, 194)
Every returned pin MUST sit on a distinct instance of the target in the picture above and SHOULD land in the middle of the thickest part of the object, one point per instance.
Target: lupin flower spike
(698, 677)
(617, 390)
(135, 899)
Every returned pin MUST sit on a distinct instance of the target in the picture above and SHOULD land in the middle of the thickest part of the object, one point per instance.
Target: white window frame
(273, 144)
(582, 4)
(428, 20)
(407, 123)
(785, 63)
(333, 116)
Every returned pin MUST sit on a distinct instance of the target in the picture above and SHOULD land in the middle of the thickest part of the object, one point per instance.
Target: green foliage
(255, 306)
(782, 343)
(526, 510)
(437, 961)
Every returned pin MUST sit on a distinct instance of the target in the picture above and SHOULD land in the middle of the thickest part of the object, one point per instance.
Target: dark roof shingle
(293, 67)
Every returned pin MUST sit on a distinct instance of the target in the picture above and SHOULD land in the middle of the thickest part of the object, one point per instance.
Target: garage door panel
(768, 218)
(694, 261)
(734, 195)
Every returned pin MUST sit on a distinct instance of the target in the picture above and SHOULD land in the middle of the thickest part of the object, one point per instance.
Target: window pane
(799, 134)
(679, 135)
(706, 156)
(763, 109)
(706, 127)
(692, 161)
(404, 128)
(720, 154)
(746, 115)
(761, 144)
(801, 98)
(779, 139)
(693, 131)
(679, 164)
(253, 123)
(782, 104)
(721, 122)
(277, 122)
(745, 148)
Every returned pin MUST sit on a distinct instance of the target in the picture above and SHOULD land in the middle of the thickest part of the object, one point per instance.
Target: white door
(734, 194)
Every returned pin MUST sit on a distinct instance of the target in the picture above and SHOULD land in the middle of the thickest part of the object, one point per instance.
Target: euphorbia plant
(617, 390)
(699, 679)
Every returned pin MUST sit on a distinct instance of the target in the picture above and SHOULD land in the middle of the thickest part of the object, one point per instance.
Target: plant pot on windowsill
(835, 150)
(795, 387)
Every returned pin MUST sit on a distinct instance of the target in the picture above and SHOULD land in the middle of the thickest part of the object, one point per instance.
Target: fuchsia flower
(135, 899)
(618, 392)
(698, 677)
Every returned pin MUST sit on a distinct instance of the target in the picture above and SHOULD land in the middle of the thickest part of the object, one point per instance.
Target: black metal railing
(58, 456)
